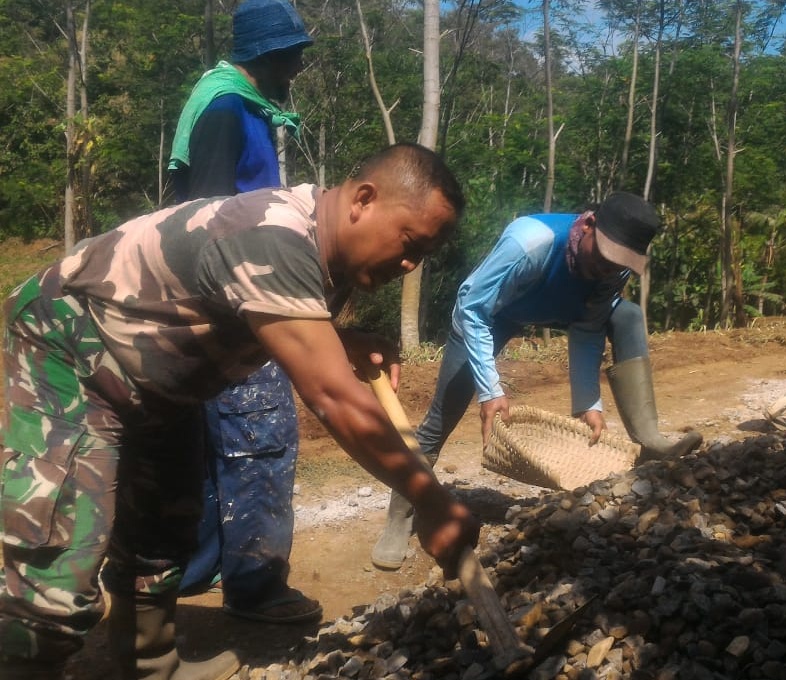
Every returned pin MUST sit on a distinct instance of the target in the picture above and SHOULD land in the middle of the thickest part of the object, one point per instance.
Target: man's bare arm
(311, 353)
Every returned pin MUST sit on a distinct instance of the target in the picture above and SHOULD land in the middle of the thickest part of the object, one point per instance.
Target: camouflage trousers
(93, 473)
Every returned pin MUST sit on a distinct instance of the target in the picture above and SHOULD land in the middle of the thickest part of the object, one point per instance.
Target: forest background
(541, 110)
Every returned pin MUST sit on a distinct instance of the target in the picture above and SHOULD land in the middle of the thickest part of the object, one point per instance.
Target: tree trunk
(732, 224)
(430, 122)
(547, 198)
(631, 99)
(372, 79)
(724, 250)
(410, 289)
(69, 208)
(77, 219)
(322, 153)
(726, 269)
(552, 155)
(161, 143)
(646, 276)
(86, 191)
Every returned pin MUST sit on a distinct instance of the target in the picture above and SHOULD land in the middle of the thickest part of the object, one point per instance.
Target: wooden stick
(505, 643)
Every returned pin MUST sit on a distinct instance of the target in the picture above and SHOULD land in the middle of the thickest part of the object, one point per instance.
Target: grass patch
(425, 352)
(19, 259)
(527, 348)
(318, 471)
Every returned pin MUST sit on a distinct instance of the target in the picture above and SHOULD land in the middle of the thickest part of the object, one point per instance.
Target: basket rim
(553, 450)
(566, 424)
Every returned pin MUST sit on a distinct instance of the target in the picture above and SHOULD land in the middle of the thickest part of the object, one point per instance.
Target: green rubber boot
(631, 385)
(142, 641)
(391, 547)
(390, 550)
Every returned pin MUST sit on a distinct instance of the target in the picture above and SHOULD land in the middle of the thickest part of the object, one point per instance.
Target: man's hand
(489, 409)
(369, 348)
(597, 423)
(445, 528)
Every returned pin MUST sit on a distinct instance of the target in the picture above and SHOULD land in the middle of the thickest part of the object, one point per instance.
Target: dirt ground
(716, 382)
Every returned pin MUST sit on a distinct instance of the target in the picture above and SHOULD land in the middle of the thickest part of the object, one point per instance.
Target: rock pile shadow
(685, 564)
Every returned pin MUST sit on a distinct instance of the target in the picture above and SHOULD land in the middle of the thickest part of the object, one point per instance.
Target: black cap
(625, 224)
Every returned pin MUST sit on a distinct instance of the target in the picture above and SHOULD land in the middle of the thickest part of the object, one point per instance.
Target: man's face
(389, 238)
(275, 71)
(592, 265)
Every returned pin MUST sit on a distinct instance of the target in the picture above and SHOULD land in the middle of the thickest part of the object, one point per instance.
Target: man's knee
(627, 314)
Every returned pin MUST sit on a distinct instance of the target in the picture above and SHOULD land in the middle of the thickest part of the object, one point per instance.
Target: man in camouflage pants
(108, 354)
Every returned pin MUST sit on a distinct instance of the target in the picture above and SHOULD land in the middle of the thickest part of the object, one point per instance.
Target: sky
(592, 16)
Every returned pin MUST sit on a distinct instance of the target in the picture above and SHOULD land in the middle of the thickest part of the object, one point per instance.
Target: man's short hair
(418, 171)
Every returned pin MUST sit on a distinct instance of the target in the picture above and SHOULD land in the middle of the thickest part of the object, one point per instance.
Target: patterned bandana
(572, 247)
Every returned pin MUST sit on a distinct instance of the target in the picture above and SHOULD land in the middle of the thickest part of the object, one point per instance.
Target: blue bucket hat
(262, 26)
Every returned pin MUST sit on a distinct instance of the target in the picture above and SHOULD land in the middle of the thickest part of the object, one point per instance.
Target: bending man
(110, 352)
(555, 270)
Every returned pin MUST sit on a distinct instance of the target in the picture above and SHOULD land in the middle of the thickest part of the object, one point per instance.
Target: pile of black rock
(681, 566)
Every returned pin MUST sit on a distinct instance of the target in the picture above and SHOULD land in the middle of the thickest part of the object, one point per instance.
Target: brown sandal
(292, 607)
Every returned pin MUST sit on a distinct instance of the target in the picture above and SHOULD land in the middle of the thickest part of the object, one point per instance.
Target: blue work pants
(245, 534)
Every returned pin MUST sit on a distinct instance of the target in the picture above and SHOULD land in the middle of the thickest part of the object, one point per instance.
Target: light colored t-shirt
(168, 291)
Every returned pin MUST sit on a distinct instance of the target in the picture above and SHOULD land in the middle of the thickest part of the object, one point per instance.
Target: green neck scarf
(223, 79)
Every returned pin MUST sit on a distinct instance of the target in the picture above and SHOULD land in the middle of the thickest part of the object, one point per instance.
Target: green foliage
(379, 311)
(145, 55)
(32, 163)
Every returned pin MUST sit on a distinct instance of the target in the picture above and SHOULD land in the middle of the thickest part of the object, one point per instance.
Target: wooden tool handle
(503, 639)
(380, 385)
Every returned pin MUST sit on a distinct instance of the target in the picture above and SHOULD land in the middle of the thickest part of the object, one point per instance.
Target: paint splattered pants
(246, 530)
(91, 469)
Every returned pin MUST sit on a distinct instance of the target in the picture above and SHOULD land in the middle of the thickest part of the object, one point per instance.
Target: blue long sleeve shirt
(524, 280)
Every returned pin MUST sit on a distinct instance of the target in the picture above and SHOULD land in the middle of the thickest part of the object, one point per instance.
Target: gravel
(680, 568)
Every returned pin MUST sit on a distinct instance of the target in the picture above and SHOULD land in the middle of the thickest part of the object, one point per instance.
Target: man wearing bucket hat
(226, 144)
(559, 271)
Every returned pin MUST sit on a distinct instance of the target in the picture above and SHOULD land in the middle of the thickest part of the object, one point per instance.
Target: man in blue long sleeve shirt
(558, 271)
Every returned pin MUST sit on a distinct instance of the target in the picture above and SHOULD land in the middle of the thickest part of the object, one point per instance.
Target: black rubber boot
(142, 641)
(15, 668)
(631, 385)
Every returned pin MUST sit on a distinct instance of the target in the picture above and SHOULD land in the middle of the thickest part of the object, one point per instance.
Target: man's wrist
(490, 396)
(433, 499)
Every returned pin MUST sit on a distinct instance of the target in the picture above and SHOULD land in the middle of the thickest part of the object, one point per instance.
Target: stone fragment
(685, 562)
(598, 652)
(739, 645)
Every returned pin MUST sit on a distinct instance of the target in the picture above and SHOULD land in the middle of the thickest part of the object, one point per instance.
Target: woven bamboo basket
(553, 451)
